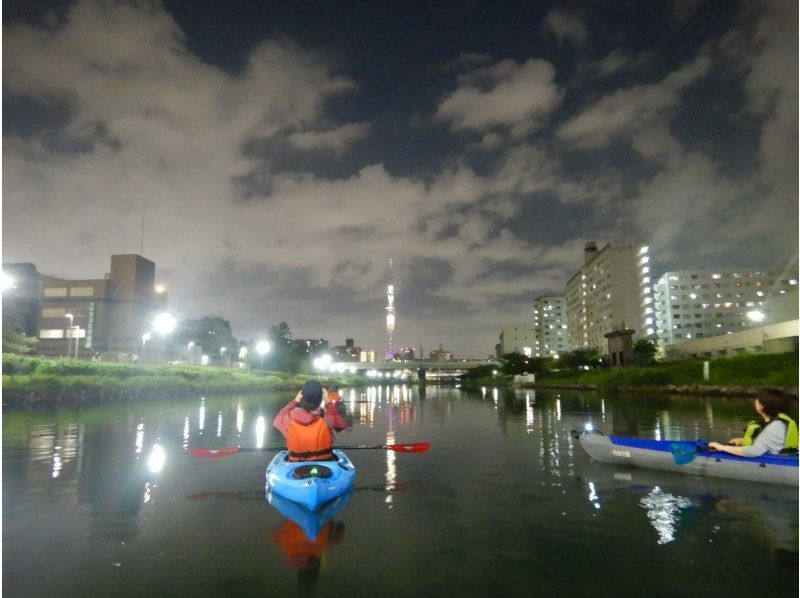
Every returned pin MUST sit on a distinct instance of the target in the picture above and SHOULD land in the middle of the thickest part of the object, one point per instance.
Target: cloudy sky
(287, 150)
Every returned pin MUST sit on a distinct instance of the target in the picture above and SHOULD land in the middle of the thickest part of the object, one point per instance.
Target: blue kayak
(689, 456)
(310, 483)
(311, 522)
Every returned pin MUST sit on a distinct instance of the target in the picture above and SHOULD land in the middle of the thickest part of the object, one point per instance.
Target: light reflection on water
(503, 473)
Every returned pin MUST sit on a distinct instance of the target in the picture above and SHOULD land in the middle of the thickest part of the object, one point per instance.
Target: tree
(644, 352)
(16, 342)
(516, 364)
(580, 358)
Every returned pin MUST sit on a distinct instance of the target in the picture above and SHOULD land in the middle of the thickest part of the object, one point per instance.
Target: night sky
(286, 150)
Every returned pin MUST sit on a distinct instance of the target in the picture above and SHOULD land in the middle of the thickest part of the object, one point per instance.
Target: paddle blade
(682, 453)
(206, 453)
(417, 447)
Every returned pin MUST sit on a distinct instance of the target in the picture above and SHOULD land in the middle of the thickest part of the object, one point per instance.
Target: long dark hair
(774, 401)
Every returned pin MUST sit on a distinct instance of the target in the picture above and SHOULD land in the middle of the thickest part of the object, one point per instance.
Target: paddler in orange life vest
(308, 427)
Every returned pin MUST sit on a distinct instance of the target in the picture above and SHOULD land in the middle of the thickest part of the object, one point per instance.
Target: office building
(611, 291)
(695, 304)
(550, 326)
(441, 354)
(346, 352)
(106, 315)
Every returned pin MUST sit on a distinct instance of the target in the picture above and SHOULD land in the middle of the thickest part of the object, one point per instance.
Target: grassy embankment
(728, 375)
(36, 379)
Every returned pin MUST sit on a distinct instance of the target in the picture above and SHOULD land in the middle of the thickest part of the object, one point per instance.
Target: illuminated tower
(390, 317)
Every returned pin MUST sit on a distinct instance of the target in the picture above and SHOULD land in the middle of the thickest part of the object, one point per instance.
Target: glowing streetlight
(242, 353)
(164, 323)
(160, 288)
(7, 282)
(322, 362)
(759, 317)
(145, 337)
(262, 348)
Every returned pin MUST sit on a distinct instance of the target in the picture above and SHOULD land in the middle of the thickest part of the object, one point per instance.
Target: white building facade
(611, 291)
(517, 338)
(550, 326)
(696, 304)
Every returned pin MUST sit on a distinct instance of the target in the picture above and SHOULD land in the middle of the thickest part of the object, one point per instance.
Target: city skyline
(286, 152)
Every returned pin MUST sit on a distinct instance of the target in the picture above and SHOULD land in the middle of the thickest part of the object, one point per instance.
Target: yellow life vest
(754, 428)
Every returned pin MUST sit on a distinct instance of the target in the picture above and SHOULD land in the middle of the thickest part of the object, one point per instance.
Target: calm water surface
(504, 503)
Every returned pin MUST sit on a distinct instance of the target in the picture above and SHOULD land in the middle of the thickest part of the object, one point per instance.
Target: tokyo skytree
(390, 317)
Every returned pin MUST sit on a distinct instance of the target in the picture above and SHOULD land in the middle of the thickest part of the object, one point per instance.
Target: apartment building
(611, 291)
(695, 304)
(516, 338)
(550, 326)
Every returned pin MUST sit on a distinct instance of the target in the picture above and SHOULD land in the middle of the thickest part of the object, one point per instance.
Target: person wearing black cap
(308, 427)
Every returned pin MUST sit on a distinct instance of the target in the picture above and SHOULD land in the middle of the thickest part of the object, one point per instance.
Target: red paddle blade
(213, 453)
(417, 447)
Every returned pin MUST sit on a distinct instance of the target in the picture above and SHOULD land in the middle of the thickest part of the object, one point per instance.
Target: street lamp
(7, 282)
(145, 337)
(759, 317)
(164, 323)
(69, 337)
(262, 348)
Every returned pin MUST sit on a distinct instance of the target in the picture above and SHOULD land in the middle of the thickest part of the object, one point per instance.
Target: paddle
(684, 453)
(416, 447)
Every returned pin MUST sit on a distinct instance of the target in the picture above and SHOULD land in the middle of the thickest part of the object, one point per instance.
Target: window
(53, 312)
(51, 333)
(54, 292)
(81, 291)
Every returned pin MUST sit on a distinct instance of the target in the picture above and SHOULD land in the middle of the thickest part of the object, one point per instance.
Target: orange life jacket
(312, 442)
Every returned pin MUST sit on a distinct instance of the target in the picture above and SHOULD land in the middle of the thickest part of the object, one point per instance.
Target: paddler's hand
(736, 441)
(299, 396)
(715, 446)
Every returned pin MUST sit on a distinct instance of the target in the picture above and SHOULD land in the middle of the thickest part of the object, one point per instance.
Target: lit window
(53, 312)
(54, 292)
(81, 291)
(51, 333)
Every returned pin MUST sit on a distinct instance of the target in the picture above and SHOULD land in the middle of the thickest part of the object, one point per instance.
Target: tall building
(611, 291)
(441, 354)
(390, 317)
(102, 315)
(406, 353)
(516, 338)
(346, 352)
(692, 304)
(550, 326)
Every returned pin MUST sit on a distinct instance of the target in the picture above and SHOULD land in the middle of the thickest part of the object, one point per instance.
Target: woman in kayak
(307, 426)
(776, 434)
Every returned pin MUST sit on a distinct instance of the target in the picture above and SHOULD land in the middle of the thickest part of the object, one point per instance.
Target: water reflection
(91, 476)
(663, 510)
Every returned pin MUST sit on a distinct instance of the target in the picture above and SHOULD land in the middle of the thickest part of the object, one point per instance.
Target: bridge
(420, 367)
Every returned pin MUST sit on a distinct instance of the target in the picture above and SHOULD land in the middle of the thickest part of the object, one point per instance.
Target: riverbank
(36, 380)
(741, 375)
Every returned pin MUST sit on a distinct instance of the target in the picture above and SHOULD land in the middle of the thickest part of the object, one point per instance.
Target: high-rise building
(516, 338)
(367, 356)
(21, 301)
(390, 317)
(550, 326)
(441, 354)
(346, 352)
(692, 304)
(406, 353)
(612, 290)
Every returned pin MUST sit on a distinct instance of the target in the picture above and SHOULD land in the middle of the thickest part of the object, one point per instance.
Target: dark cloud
(284, 160)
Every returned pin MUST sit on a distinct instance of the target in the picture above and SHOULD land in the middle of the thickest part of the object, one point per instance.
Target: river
(106, 501)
